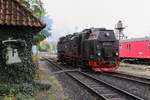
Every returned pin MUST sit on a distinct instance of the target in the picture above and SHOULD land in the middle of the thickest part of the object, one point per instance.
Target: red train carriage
(138, 49)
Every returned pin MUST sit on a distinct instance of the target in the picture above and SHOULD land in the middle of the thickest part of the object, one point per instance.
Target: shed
(17, 18)
(17, 23)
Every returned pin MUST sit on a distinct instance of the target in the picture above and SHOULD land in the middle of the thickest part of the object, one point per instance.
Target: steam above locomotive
(96, 48)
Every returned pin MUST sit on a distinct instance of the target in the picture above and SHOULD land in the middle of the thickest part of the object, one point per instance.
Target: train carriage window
(149, 45)
(128, 47)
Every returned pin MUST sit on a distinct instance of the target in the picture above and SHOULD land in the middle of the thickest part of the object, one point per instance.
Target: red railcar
(135, 48)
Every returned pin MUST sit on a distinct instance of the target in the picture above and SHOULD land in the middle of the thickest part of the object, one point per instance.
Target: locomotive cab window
(149, 45)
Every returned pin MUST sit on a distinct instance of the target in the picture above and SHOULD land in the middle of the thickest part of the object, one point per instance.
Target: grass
(56, 90)
(135, 69)
(135, 65)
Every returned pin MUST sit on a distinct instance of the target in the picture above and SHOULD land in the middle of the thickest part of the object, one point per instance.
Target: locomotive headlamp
(99, 54)
(107, 34)
(98, 46)
(117, 53)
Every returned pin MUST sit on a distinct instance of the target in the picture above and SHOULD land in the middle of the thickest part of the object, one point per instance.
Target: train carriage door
(149, 46)
(128, 50)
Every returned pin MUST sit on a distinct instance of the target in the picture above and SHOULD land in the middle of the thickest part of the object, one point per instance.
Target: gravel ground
(135, 69)
(137, 89)
(72, 88)
(74, 92)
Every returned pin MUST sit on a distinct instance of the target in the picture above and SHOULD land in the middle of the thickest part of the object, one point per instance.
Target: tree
(44, 46)
(37, 7)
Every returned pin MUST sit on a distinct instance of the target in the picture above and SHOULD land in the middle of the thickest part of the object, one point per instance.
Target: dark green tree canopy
(37, 7)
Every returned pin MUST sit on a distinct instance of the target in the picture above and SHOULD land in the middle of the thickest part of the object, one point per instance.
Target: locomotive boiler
(96, 48)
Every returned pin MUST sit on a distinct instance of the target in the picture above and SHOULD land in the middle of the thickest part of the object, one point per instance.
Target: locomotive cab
(101, 50)
(108, 44)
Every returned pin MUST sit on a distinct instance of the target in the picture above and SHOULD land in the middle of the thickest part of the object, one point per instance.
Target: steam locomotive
(96, 48)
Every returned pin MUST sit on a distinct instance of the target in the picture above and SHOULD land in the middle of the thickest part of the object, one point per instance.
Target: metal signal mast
(119, 30)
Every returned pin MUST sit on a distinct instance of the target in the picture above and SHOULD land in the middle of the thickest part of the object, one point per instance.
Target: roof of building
(13, 13)
(135, 39)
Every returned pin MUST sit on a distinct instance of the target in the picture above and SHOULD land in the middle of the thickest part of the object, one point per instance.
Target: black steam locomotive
(96, 48)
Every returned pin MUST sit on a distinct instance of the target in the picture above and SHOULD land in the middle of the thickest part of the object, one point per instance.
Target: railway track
(137, 79)
(122, 75)
(99, 87)
(133, 84)
(103, 89)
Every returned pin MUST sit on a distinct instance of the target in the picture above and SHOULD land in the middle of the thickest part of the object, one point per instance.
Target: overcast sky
(75, 15)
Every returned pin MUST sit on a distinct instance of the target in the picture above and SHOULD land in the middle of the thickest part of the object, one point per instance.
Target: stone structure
(17, 23)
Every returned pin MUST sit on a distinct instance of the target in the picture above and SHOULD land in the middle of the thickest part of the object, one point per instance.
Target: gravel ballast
(71, 87)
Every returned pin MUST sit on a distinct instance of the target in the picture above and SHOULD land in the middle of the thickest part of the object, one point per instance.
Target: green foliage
(15, 73)
(37, 7)
(17, 79)
(47, 46)
(37, 38)
(20, 91)
(44, 46)
(53, 46)
(41, 86)
(41, 36)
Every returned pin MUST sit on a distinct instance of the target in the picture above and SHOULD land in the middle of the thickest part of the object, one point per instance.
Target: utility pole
(119, 27)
